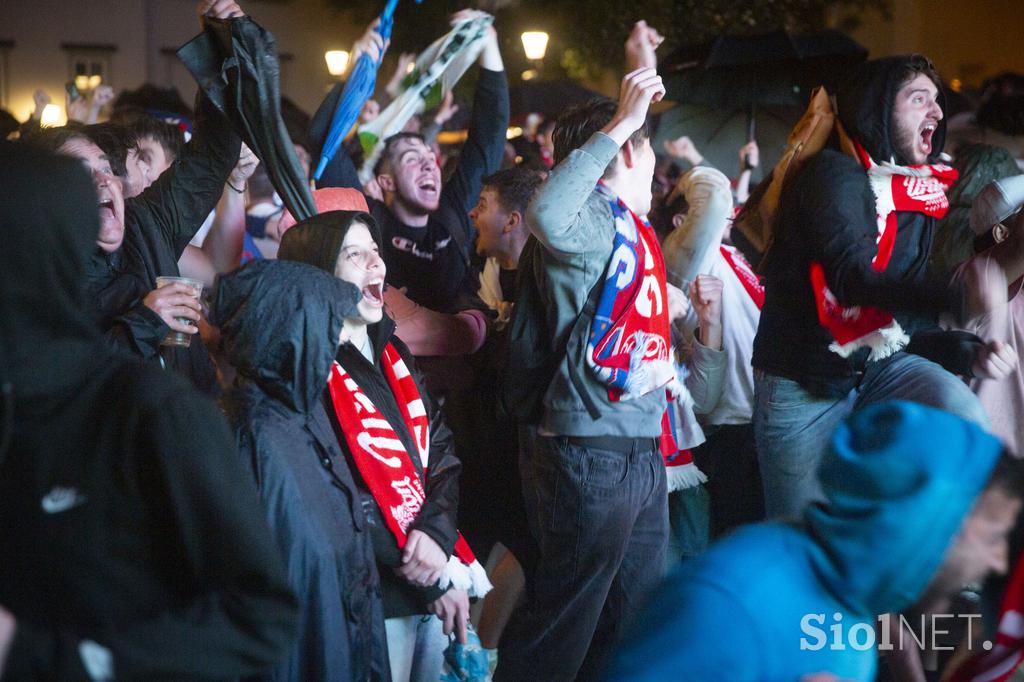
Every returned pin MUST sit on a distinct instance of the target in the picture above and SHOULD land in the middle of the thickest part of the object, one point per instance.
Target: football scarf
(385, 464)
(629, 347)
(896, 188)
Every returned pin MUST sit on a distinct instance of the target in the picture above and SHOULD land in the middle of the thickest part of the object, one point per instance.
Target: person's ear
(628, 154)
(515, 219)
(677, 220)
(386, 182)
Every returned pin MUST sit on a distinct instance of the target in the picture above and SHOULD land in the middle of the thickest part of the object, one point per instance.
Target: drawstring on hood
(899, 479)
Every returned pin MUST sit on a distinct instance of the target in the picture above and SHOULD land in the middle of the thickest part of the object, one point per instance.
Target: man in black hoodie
(133, 542)
(808, 377)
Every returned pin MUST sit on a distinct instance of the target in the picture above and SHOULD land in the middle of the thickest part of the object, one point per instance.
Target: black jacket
(434, 262)
(129, 529)
(159, 223)
(280, 323)
(317, 241)
(827, 215)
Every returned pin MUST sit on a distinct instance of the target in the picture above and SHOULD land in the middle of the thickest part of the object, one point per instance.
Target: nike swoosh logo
(61, 499)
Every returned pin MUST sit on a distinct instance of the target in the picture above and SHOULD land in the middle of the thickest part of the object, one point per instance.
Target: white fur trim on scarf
(646, 375)
(472, 578)
(883, 342)
(684, 476)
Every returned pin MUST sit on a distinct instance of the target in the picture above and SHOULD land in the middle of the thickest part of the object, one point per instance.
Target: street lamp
(337, 61)
(535, 45)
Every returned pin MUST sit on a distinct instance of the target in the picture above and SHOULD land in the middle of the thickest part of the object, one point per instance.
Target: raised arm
(695, 239)
(554, 214)
(485, 143)
(181, 198)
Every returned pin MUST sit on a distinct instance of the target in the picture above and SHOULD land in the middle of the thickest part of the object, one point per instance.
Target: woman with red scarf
(400, 449)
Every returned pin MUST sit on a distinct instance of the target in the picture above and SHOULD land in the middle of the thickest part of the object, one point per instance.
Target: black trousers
(729, 458)
(600, 517)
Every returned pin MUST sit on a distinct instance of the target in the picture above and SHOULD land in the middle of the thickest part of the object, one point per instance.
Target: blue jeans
(416, 647)
(793, 428)
(689, 524)
(601, 521)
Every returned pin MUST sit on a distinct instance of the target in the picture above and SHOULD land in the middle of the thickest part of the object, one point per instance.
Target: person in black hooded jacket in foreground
(132, 539)
(808, 377)
(281, 323)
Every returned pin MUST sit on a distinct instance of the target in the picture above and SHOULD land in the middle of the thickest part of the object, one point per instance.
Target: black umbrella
(771, 69)
(747, 73)
(235, 63)
(719, 135)
(550, 98)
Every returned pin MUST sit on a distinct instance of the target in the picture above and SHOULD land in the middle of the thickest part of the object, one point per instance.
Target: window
(5, 48)
(89, 66)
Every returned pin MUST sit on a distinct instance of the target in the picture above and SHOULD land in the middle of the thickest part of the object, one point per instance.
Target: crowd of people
(513, 410)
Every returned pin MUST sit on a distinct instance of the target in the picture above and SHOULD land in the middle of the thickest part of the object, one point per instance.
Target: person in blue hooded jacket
(919, 503)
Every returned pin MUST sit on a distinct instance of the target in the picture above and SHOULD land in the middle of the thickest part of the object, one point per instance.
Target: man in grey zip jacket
(595, 488)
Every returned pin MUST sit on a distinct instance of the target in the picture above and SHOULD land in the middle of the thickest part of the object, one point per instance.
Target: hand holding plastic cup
(176, 338)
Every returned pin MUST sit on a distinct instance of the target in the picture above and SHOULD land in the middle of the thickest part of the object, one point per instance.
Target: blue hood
(900, 477)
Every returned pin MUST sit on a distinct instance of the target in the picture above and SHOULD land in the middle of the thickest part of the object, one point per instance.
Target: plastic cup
(173, 338)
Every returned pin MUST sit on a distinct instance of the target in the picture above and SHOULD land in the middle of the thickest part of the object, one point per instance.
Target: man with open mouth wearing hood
(851, 308)
(143, 237)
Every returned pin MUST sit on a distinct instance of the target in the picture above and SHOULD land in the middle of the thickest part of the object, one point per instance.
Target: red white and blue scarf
(629, 347)
(386, 466)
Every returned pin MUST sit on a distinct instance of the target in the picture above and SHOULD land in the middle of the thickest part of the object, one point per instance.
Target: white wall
(966, 40)
(303, 28)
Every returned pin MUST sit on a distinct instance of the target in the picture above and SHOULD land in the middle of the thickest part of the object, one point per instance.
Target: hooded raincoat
(280, 323)
(827, 215)
(317, 241)
(132, 540)
(761, 604)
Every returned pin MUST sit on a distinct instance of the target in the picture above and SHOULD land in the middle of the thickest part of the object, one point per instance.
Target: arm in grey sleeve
(554, 215)
(706, 379)
(689, 246)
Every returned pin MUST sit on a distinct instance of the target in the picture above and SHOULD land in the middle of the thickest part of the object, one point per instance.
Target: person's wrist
(234, 185)
(619, 128)
(695, 159)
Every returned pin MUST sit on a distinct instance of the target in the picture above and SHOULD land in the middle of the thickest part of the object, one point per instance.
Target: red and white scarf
(386, 466)
(744, 273)
(896, 188)
(999, 663)
(629, 348)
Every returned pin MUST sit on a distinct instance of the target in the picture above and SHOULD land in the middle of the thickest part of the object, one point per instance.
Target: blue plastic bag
(465, 662)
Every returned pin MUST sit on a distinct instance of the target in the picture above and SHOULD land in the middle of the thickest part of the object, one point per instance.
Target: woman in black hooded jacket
(281, 323)
(345, 244)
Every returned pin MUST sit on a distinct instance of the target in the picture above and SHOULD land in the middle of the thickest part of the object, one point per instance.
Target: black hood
(865, 103)
(280, 323)
(318, 240)
(49, 220)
